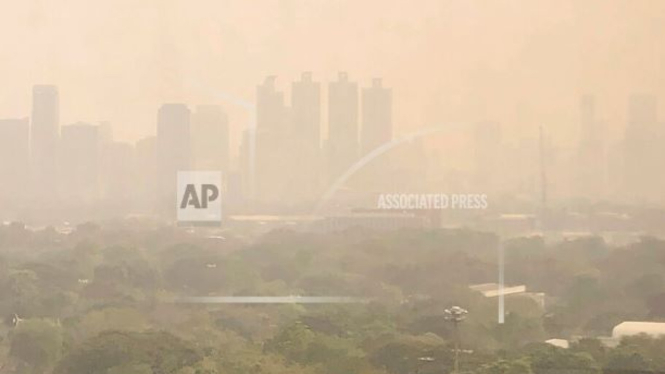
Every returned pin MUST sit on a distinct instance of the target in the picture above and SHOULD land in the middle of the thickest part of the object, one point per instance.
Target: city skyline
(332, 186)
(305, 142)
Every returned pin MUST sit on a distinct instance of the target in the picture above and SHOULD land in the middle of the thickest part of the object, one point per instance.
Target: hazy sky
(520, 62)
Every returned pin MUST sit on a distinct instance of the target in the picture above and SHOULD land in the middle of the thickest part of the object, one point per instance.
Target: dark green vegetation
(101, 301)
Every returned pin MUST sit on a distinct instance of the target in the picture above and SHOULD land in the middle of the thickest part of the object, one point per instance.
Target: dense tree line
(104, 299)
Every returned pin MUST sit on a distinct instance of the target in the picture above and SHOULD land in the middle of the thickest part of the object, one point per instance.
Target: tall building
(272, 156)
(145, 156)
(44, 139)
(271, 112)
(119, 187)
(342, 144)
(377, 130)
(173, 151)
(643, 111)
(487, 139)
(14, 160)
(589, 167)
(118, 177)
(377, 124)
(306, 111)
(210, 138)
(79, 163)
(105, 132)
(306, 136)
(643, 150)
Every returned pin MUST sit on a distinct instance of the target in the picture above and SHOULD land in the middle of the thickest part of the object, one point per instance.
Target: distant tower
(377, 130)
(543, 216)
(588, 115)
(210, 138)
(14, 160)
(377, 124)
(173, 150)
(306, 110)
(342, 145)
(105, 132)
(543, 168)
(146, 182)
(487, 138)
(79, 163)
(590, 164)
(272, 153)
(643, 111)
(270, 109)
(118, 177)
(306, 136)
(44, 139)
(643, 150)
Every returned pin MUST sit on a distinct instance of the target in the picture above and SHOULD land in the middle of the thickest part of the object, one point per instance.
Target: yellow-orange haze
(518, 62)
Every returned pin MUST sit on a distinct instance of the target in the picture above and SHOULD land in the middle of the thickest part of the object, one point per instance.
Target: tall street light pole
(456, 315)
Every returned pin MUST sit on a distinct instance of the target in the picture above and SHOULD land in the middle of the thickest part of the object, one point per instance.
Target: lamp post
(456, 315)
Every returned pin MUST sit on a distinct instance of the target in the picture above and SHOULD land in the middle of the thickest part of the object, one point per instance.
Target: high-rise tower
(44, 139)
(342, 144)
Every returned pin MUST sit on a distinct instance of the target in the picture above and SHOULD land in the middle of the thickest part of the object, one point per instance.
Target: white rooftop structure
(492, 289)
(653, 329)
(561, 343)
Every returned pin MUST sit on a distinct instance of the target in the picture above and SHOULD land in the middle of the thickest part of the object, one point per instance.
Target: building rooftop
(492, 289)
(631, 328)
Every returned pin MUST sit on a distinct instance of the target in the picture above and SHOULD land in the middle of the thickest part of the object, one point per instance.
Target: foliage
(104, 300)
(36, 344)
(162, 352)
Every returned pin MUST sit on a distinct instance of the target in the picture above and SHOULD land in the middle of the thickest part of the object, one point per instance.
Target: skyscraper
(79, 163)
(590, 164)
(487, 138)
(173, 151)
(306, 136)
(210, 138)
(14, 159)
(306, 111)
(270, 109)
(376, 130)
(118, 176)
(44, 139)
(145, 156)
(377, 125)
(643, 111)
(272, 133)
(342, 144)
(105, 132)
(643, 149)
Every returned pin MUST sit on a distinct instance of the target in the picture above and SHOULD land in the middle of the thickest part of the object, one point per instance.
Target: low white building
(653, 329)
(491, 290)
(561, 343)
(632, 328)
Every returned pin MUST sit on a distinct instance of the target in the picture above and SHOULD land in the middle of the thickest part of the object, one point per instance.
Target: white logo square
(199, 197)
